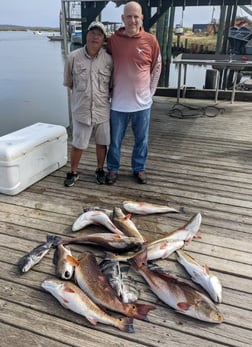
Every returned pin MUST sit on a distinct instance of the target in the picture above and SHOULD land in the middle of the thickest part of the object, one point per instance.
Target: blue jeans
(119, 121)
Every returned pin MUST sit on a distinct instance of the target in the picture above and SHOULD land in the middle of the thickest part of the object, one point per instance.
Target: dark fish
(119, 279)
(108, 241)
(34, 257)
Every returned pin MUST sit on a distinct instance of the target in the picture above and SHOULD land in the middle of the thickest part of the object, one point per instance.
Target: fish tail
(126, 324)
(140, 259)
(142, 310)
(53, 239)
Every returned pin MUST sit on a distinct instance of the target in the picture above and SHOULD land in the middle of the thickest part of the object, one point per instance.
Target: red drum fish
(147, 208)
(63, 270)
(95, 217)
(201, 275)
(186, 232)
(124, 223)
(96, 285)
(73, 298)
(177, 294)
(155, 250)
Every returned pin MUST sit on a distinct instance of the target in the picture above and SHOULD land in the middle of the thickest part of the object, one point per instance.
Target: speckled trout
(73, 298)
(177, 294)
(201, 275)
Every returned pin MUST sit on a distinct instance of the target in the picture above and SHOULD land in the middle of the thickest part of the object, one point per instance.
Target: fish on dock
(95, 284)
(177, 294)
(108, 212)
(108, 241)
(124, 223)
(155, 250)
(201, 275)
(73, 298)
(119, 279)
(145, 208)
(95, 217)
(63, 270)
(34, 256)
(187, 232)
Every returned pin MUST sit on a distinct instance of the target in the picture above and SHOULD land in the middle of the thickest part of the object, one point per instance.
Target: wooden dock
(200, 163)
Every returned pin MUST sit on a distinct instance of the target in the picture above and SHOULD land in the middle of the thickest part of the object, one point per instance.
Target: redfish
(201, 275)
(177, 294)
(95, 217)
(124, 223)
(186, 232)
(63, 270)
(73, 298)
(96, 285)
(147, 208)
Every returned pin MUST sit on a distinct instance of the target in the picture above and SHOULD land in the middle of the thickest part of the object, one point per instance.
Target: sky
(45, 13)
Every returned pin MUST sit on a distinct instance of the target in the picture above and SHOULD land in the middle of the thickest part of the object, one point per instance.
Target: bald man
(137, 67)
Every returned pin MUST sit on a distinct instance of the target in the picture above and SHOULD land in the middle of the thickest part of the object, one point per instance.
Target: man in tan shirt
(88, 73)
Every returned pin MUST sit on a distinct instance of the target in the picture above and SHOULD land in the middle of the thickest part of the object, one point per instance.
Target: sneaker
(70, 179)
(111, 177)
(100, 176)
(141, 178)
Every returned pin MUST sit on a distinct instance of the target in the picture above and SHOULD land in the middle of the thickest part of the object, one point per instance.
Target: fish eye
(67, 274)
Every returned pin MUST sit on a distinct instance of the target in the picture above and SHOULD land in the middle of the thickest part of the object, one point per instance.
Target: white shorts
(83, 132)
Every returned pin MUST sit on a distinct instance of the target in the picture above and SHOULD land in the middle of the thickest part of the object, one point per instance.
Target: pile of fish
(97, 287)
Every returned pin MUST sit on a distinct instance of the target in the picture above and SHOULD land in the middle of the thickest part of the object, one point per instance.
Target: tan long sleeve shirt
(89, 79)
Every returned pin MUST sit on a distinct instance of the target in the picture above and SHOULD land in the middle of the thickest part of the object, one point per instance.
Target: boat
(55, 37)
(76, 35)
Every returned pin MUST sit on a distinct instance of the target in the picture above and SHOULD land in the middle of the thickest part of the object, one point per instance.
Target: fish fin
(64, 302)
(91, 320)
(116, 235)
(128, 216)
(53, 239)
(183, 306)
(141, 310)
(70, 259)
(68, 290)
(56, 256)
(206, 269)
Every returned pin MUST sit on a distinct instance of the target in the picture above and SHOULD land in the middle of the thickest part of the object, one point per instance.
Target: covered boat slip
(202, 164)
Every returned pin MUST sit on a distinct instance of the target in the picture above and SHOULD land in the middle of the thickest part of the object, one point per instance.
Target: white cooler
(29, 154)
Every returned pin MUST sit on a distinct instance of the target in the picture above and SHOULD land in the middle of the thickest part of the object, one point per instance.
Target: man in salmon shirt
(137, 67)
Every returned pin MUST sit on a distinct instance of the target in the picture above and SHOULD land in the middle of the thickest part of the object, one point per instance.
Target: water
(31, 77)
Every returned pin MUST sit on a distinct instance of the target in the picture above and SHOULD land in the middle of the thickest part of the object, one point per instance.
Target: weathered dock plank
(200, 164)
